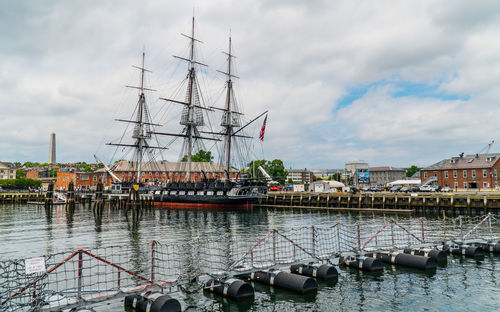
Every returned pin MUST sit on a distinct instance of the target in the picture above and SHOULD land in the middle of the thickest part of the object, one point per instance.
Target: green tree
(20, 173)
(335, 177)
(412, 170)
(274, 168)
(201, 156)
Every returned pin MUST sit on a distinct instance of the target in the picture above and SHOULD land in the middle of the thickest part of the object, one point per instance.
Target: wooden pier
(453, 204)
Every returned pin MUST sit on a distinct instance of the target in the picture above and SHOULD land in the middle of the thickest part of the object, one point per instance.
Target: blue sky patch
(403, 89)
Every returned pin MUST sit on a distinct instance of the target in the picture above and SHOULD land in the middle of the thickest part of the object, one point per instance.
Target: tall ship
(189, 184)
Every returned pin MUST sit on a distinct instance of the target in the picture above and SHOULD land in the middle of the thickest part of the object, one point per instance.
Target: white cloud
(64, 65)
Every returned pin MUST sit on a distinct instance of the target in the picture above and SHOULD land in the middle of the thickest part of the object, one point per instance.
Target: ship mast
(228, 124)
(142, 132)
(192, 116)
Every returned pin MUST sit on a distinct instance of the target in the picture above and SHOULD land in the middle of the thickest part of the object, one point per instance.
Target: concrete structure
(52, 149)
(7, 171)
(355, 171)
(319, 186)
(300, 176)
(384, 175)
(467, 172)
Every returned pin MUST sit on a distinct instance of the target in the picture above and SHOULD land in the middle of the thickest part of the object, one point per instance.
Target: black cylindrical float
(233, 289)
(439, 255)
(293, 282)
(407, 260)
(369, 264)
(158, 302)
(323, 271)
(494, 248)
(468, 251)
(131, 301)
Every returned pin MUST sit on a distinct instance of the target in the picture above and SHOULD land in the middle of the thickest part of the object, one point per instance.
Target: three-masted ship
(228, 190)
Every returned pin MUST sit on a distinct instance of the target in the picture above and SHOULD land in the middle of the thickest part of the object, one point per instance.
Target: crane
(108, 169)
(486, 149)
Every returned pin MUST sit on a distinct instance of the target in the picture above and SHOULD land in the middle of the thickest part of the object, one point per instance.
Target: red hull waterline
(204, 206)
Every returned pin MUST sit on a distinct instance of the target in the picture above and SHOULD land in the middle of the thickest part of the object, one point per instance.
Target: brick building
(81, 180)
(467, 172)
(151, 173)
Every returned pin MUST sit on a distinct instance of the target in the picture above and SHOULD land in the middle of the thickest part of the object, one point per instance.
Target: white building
(7, 170)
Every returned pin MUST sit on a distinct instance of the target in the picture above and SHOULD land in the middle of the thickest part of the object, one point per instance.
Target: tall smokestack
(52, 150)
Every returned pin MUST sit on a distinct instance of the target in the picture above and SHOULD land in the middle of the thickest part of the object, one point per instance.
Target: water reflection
(45, 231)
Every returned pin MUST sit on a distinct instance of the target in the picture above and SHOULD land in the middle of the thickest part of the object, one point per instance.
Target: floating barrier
(152, 302)
(233, 289)
(324, 271)
(493, 248)
(368, 264)
(407, 260)
(439, 255)
(467, 251)
(294, 282)
(132, 300)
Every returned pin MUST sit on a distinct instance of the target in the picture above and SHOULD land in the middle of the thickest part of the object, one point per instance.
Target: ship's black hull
(229, 196)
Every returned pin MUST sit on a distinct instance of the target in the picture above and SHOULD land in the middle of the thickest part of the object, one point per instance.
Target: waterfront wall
(435, 203)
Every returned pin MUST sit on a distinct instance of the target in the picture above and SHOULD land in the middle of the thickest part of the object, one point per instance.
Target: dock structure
(222, 265)
(452, 204)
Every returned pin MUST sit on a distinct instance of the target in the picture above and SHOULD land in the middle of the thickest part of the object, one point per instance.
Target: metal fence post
(153, 244)
(359, 236)
(274, 246)
(489, 224)
(392, 232)
(80, 269)
(313, 241)
(338, 234)
(423, 233)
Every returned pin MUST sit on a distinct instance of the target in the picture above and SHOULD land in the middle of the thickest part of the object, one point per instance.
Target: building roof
(385, 168)
(472, 161)
(298, 170)
(9, 165)
(166, 166)
(437, 166)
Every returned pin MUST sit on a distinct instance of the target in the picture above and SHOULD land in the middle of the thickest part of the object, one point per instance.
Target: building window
(446, 174)
(473, 173)
(485, 173)
(465, 184)
(95, 178)
(456, 185)
(465, 173)
(495, 172)
(435, 174)
(454, 174)
(425, 174)
(485, 184)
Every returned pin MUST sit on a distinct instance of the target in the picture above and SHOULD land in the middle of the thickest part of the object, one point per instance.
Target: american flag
(263, 129)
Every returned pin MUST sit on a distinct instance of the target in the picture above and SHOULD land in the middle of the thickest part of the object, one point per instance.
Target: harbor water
(462, 285)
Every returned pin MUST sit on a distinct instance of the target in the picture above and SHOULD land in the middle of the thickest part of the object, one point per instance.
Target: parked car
(405, 189)
(435, 188)
(375, 189)
(365, 189)
(446, 189)
(395, 189)
(425, 188)
(414, 189)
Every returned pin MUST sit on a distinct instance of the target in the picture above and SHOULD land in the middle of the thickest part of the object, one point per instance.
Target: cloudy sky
(389, 82)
